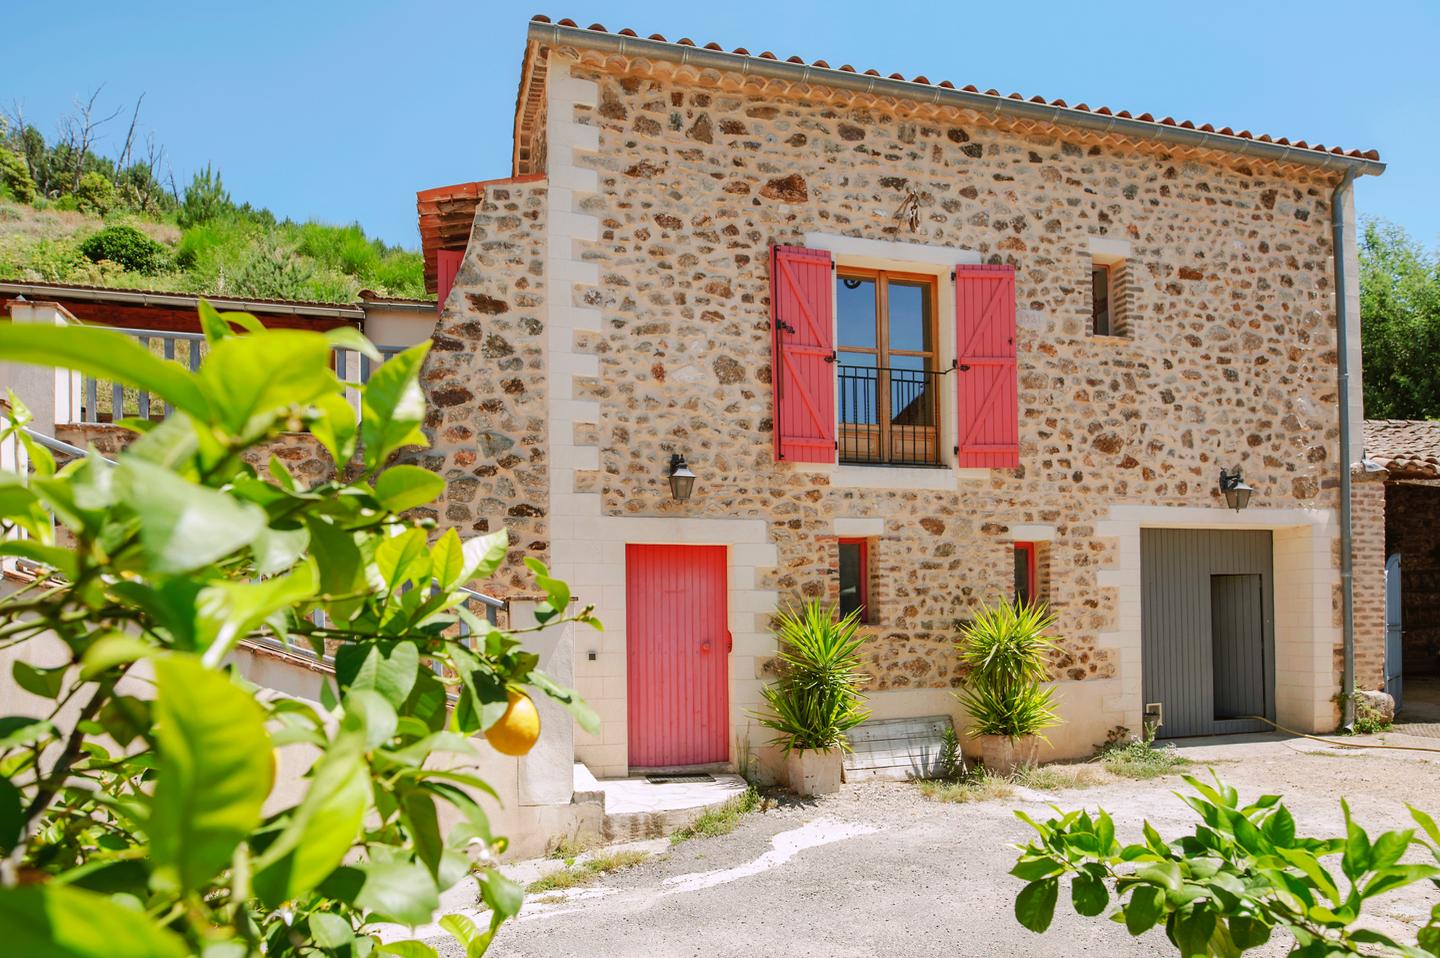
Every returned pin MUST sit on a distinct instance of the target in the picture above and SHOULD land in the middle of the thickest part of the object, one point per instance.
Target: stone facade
(1227, 359)
(485, 380)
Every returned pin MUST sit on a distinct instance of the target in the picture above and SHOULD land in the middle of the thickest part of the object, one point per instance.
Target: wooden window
(1101, 319)
(855, 577)
(887, 365)
(1027, 586)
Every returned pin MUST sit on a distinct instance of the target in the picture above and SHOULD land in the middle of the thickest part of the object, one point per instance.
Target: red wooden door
(677, 641)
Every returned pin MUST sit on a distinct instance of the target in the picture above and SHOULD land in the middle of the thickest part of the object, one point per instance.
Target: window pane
(1100, 300)
(855, 376)
(855, 310)
(910, 316)
(912, 392)
(1024, 588)
(851, 572)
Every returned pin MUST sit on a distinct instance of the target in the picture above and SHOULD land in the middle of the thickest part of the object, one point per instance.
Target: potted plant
(816, 698)
(1005, 650)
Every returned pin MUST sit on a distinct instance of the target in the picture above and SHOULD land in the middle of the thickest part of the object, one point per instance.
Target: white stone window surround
(937, 261)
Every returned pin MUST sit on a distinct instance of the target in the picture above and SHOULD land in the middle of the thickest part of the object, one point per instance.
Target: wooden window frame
(865, 615)
(885, 430)
(1031, 571)
(1109, 269)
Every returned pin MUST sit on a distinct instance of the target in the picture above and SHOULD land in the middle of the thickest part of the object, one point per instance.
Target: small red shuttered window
(988, 434)
(803, 374)
(447, 264)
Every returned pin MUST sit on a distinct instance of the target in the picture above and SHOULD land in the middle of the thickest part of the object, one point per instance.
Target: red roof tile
(1082, 108)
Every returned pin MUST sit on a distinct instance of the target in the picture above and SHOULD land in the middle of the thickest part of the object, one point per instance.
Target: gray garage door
(1207, 614)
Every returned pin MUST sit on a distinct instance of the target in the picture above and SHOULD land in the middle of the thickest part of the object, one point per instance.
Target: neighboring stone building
(1409, 452)
(1009, 346)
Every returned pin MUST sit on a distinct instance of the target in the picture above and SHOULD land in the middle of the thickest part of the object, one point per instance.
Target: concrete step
(636, 810)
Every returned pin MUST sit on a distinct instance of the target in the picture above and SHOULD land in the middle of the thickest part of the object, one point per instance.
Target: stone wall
(1412, 528)
(485, 383)
(1229, 358)
(1368, 552)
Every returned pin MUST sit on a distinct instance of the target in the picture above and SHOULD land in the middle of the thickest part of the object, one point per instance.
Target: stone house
(1408, 452)
(922, 347)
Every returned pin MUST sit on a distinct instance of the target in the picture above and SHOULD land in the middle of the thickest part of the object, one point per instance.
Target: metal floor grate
(662, 779)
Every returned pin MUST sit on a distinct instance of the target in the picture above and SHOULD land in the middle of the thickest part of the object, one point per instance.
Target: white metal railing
(103, 400)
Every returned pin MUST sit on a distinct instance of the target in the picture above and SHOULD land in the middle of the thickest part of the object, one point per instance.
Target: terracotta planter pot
(811, 772)
(1002, 755)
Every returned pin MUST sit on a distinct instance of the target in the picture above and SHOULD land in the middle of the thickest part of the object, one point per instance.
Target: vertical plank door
(677, 655)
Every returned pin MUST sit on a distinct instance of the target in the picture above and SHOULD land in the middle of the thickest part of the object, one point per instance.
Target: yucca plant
(816, 698)
(1005, 649)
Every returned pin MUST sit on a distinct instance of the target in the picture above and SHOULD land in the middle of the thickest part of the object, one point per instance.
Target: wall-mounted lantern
(682, 480)
(1236, 492)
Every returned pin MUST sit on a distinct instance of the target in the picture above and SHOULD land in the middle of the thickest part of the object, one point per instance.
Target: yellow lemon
(516, 731)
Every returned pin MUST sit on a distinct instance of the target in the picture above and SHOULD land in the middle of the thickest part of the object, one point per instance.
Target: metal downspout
(1342, 333)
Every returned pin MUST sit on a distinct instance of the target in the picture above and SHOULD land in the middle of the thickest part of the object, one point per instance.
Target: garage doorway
(1207, 614)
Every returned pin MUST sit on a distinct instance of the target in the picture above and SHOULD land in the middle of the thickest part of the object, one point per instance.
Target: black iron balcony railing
(889, 416)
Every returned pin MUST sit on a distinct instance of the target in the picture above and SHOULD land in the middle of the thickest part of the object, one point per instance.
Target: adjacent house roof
(177, 312)
(447, 214)
(1408, 448)
(1012, 110)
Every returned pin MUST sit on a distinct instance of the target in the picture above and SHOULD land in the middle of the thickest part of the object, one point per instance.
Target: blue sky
(341, 111)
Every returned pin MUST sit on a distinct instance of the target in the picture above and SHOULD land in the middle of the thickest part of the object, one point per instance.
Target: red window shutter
(803, 367)
(989, 426)
(447, 264)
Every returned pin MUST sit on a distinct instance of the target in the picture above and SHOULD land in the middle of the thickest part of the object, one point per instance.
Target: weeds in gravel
(568, 848)
(586, 870)
(978, 786)
(1138, 758)
(723, 819)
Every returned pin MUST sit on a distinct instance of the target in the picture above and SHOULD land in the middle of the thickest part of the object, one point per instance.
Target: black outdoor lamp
(682, 480)
(1237, 493)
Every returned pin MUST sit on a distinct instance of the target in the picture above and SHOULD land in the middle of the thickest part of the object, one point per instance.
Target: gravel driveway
(880, 870)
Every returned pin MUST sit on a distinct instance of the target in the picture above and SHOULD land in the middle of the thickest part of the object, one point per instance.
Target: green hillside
(73, 216)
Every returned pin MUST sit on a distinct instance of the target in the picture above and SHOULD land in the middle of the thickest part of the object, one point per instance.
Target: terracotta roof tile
(1407, 447)
(1104, 111)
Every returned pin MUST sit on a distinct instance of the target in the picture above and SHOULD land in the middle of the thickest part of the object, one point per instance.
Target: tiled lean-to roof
(1013, 109)
(1407, 447)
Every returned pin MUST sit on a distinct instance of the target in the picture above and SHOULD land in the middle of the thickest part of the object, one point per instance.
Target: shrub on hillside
(126, 246)
(15, 177)
(206, 199)
(96, 194)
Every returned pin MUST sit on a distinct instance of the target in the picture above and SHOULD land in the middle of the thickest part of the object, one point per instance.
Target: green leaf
(1033, 869)
(335, 426)
(502, 895)
(1143, 910)
(557, 593)
(1088, 893)
(23, 730)
(12, 817)
(250, 380)
(484, 554)
(1248, 933)
(405, 487)
(227, 611)
(447, 560)
(61, 922)
(401, 891)
(463, 930)
(393, 407)
(1035, 905)
(276, 550)
(1356, 860)
(214, 772)
(1192, 931)
(1388, 848)
(1279, 828)
(330, 931)
(323, 828)
(44, 682)
(348, 337)
(403, 558)
(111, 650)
(376, 716)
(104, 354)
(184, 526)
(1165, 874)
(390, 668)
(406, 949)
(61, 560)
